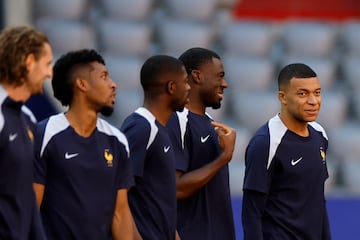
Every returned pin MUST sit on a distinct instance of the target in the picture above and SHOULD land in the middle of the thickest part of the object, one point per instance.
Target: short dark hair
(16, 44)
(294, 70)
(155, 67)
(65, 69)
(193, 58)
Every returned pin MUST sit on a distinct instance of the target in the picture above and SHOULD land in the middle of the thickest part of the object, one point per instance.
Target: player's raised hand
(226, 136)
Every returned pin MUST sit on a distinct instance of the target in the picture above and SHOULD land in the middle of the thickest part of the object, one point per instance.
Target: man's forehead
(312, 82)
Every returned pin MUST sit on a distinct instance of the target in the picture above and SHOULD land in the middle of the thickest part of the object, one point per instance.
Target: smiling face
(301, 99)
(213, 83)
(39, 70)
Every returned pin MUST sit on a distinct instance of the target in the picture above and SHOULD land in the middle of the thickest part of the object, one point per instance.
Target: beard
(215, 105)
(179, 109)
(107, 111)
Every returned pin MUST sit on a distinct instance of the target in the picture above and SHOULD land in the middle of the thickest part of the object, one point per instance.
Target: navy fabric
(153, 198)
(81, 178)
(208, 213)
(19, 216)
(290, 171)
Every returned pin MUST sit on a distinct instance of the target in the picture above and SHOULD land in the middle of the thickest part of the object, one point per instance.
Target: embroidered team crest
(322, 154)
(108, 157)
(30, 134)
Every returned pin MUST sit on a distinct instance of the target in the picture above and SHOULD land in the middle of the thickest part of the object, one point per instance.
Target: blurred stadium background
(254, 38)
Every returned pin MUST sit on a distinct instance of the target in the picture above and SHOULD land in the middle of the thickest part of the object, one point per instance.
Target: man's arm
(190, 182)
(253, 206)
(123, 225)
(39, 192)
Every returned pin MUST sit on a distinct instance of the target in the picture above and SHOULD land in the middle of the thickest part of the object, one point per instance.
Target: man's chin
(180, 108)
(107, 111)
(216, 105)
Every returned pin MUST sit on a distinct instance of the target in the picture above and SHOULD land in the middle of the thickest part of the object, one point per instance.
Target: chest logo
(108, 157)
(70, 155)
(294, 162)
(204, 139)
(30, 134)
(323, 155)
(166, 149)
(12, 137)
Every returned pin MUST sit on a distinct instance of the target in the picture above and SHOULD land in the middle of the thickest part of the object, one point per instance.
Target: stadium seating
(253, 50)
(134, 10)
(351, 173)
(64, 9)
(67, 35)
(350, 66)
(248, 38)
(127, 101)
(344, 141)
(125, 71)
(194, 10)
(309, 38)
(253, 108)
(175, 36)
(249, 73)
(334, 109)
(350, 36)
(124, 37)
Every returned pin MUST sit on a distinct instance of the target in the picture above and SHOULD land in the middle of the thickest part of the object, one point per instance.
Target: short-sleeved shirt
(153, 198)
(291, 171)
(207, 214)
(81, 176)
(19, 216)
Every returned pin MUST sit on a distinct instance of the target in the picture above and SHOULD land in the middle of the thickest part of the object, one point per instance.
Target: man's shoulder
(317, 127)
(136, 122)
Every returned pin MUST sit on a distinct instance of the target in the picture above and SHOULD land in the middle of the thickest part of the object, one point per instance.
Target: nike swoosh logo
(294, 162)
(12, 137)
(203, 139)
(70, 155)
(166, 149)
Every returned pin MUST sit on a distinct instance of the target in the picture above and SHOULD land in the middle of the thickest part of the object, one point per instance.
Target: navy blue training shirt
(207, 214)
(19, 215)
(81, 176)
(284, 183)
(153, 198)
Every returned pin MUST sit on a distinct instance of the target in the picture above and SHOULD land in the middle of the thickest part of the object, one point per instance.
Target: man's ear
(196, 76)
(282, 97)
(81, 84)
(30, 61)
(171, 87)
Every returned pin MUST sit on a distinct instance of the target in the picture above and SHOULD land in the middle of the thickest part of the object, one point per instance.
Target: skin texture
(174, 98)
(300, 103)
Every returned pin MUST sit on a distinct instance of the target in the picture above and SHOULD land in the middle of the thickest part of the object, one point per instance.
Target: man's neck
(17, 93)
(160, 112)
(196, 107)
(83, 122)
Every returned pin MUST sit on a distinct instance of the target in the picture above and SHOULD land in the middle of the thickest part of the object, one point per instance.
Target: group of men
(162, 173)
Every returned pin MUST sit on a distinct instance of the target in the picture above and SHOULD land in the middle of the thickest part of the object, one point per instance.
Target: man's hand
(226, 137)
